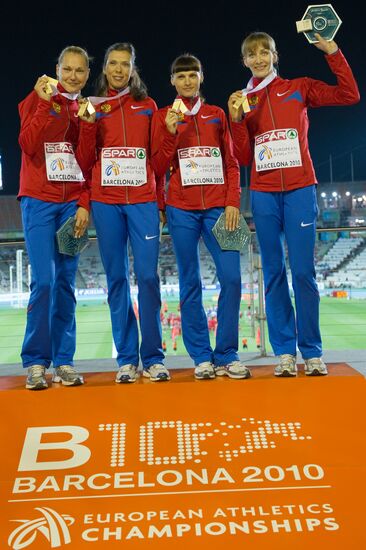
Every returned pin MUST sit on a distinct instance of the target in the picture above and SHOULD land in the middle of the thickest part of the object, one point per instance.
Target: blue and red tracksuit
(284, 202)
(123, 213)
(50, 331)
(192, 211)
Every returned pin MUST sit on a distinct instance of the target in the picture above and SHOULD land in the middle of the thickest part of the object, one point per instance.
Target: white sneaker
(126, 373)
(235, 369)
(67, 375)
(315, 367)
(36, 379)
(204, 371)
(287, 366)
(157, 373)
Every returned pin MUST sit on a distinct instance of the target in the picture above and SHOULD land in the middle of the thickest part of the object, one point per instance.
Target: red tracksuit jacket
(208, 127)
(44, 121)
(122, 122)
(283, 104)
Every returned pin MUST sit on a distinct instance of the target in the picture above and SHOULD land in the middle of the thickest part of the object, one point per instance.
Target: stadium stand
(353, 271)
(339, 252)
(340, 262)
(10, 217)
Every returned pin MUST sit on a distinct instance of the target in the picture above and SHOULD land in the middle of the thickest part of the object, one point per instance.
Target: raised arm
(163, 141)
(345, 92)
(34, 111)
(241, 140)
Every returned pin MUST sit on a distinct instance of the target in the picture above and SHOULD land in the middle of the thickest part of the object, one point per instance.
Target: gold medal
(242, 102)
(86, 108)
(50, 84)
(176, 105)
(179, 106)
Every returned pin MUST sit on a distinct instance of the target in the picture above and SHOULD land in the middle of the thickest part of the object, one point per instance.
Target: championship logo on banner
(49, 524)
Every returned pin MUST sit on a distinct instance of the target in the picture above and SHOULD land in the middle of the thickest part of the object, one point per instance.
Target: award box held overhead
(319, 18)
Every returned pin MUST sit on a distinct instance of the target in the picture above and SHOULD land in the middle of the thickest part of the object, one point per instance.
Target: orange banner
(266, 463)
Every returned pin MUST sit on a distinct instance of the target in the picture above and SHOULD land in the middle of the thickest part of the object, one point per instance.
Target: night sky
(32, 37)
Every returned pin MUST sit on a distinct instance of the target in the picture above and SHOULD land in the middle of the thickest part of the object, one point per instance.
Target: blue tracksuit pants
(50, 333)
(186, 227)
(290, 216)
(115, 224)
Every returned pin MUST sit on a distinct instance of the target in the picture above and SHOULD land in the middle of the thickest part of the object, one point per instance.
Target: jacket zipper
(124, 139)
(199, 144)
(274, 127)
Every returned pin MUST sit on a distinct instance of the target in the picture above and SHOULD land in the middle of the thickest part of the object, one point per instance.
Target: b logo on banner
(51, 524)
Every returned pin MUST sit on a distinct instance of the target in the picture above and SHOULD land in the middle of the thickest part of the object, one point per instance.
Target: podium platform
(264, 463)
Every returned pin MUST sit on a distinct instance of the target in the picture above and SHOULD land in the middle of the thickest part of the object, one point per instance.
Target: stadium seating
(338, 263)
(339, 252)
(353, 273)
(10, 218)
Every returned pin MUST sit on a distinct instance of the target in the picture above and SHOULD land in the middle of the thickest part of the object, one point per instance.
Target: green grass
(343, 326)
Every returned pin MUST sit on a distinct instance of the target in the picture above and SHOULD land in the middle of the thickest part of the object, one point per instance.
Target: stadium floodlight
(348, 193)
(334, 194)
(323, 195)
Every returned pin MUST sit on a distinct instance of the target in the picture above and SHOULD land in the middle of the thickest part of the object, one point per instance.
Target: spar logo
(276, 135)
(57, 164)
(50, 524)
(266, 152)
(196, 152)
(141, 154)
(273, 135)
(59, 147)
(113, 168)
(292, 133)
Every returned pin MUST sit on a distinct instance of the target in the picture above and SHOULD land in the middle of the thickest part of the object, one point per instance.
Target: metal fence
(342, 288)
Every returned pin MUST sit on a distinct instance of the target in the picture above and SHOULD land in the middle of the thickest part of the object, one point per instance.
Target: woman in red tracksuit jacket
(273, 137)
(192, 139)
(125, 202)
(51, 184)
